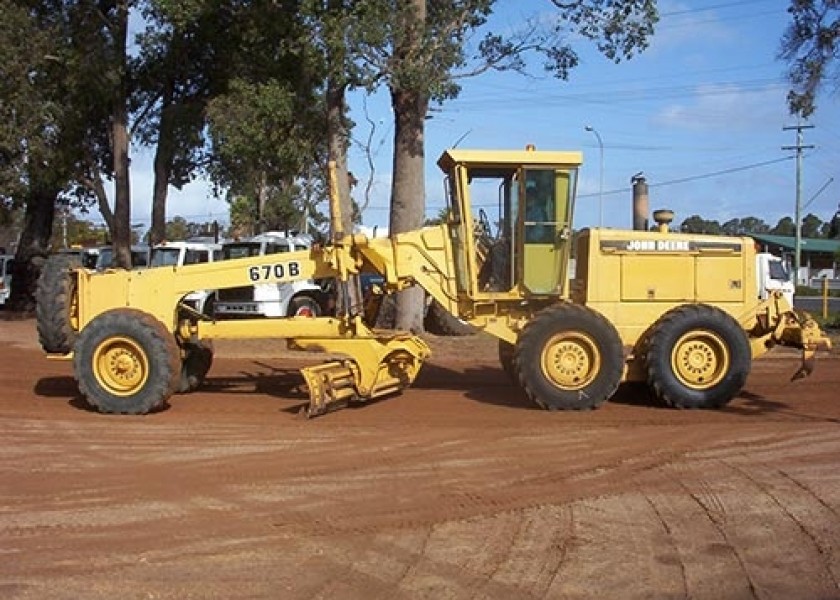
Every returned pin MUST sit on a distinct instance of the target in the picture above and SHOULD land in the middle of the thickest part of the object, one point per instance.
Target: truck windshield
(164, 257)
(778, 271)
(241, 250)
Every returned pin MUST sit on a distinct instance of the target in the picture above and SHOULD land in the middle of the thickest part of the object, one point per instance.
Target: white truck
(7, 262)
(189, 252)
(100, 258)
(773, 275)
(298, 298)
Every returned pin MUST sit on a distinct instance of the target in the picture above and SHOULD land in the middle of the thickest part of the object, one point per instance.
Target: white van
(7, 263)
(189, 252)
(298, 298)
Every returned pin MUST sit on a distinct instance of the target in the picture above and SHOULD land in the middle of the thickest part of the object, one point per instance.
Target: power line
(689, 11)
(698, 177)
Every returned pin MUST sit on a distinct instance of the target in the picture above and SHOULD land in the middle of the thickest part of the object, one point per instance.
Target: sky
(701, 113)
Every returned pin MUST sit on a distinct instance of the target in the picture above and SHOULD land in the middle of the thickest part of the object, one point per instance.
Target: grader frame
(134, 342)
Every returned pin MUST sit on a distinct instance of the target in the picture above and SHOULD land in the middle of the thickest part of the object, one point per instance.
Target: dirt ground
(457, 488)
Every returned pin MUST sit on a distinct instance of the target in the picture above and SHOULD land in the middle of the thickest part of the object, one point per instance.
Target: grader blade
(379, 367)
(807, 366)
(798, 329)
(331, 386)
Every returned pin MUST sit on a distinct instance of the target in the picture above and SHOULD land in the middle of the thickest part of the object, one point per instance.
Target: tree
(43, 128)
(753, 225)
(834, 228)
(69, 230)
(810, 46)
(267, 128)
(744, 226)
(421, 52)
(785, 227)
(811, 226)
(181, 65)
(697, 224)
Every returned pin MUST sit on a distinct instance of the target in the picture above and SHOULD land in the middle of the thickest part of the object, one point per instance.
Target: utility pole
(799, 147)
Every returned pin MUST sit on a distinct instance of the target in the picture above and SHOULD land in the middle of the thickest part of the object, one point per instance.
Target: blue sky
(700, 113)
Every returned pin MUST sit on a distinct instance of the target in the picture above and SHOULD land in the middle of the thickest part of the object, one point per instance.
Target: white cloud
(726, 107)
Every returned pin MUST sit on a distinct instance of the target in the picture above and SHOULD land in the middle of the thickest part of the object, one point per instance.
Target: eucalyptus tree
(181, 65)
(267, 126)
(47, 106)
(810, 45)
(423, 48)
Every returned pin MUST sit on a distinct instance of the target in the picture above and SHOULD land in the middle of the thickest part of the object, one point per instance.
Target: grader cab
(681, 313)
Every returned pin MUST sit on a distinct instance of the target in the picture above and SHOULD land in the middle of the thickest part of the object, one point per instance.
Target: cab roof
(537, 158)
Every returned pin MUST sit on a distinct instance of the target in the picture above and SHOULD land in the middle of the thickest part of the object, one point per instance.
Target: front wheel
(126, 362)
(699, 357)
(569, 357)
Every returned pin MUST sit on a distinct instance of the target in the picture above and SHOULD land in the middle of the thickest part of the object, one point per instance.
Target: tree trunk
(163, 172)
(337, 148)
(337, 135)
(119, 137)
(33, 248)
(408, 191)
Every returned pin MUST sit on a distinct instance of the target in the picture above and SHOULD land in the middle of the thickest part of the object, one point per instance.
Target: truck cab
(297, 298)
(772, 275)
(189, 252)
(99, 258)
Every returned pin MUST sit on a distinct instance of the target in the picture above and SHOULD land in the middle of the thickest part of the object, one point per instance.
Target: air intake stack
(640, 202)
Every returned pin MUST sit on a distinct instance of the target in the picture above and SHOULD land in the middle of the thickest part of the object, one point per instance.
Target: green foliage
(810, 46)
(34, 112)
(619, 28)
(785, 226)
(70, 230)
(181, 229)
(697, 224)
(745, 226)
(811, 226)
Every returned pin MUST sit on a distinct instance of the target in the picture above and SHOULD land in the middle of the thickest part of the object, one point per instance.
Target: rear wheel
(57, 308)
(569, 358)
(699, 357)
(126, 362)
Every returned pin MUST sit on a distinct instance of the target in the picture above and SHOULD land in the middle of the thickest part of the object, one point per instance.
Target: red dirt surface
(457, 488)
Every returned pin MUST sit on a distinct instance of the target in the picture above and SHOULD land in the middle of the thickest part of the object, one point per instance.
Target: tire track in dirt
(454, 489)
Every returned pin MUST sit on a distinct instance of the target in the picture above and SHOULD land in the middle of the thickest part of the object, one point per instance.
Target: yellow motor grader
(679, 312)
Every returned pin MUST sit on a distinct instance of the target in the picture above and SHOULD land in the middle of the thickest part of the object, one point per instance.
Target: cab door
(546, 199)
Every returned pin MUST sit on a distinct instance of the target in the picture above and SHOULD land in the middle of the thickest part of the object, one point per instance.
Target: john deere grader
(679, 312)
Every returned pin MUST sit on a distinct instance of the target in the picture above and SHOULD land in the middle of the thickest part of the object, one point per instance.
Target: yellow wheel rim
(120, 366)
(571, 360)
(700, 359)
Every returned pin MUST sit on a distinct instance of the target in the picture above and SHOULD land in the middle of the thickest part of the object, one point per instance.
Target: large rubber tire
(440, 322)
(304, 306)
(569, 357)
(198, 358)
(57, 305)
(699, 357)
(127, 362)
